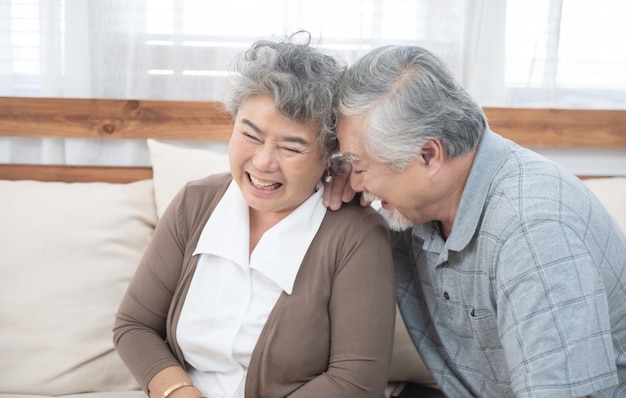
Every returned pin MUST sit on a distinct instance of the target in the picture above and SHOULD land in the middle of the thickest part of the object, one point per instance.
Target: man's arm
(338, 190)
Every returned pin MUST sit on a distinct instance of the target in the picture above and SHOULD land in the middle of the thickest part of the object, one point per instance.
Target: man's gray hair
(408, 96)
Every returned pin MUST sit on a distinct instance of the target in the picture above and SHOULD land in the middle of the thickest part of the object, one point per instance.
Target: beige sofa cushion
(68, 253)
(612, 193)
(173, 166)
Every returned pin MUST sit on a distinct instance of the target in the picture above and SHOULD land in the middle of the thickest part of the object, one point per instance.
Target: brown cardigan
(332, 337)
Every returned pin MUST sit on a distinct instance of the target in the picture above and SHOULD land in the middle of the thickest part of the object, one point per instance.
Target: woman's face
(276, 161)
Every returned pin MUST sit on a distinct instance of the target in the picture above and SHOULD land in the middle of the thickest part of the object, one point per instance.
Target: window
(558, 53)
(193, 41)
(566, 53)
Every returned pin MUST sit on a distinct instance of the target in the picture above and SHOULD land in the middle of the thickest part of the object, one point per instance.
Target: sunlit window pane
(25, 38)
(567, 44)
(526, 41)
(592, 51)
(160, 21)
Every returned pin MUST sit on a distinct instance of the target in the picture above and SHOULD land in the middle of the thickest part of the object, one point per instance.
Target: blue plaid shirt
(527, 296)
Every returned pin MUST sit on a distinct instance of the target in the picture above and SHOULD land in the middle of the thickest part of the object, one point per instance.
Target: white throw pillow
(174, 166)
(612, 193)
(69, 251)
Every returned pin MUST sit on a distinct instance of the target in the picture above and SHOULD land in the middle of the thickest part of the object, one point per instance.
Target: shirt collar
(492, 152)
(226, 232)
(279, 252)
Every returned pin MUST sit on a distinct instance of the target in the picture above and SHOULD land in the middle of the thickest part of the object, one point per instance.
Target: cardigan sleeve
(362, 315)
(140, 323)
(141, 327)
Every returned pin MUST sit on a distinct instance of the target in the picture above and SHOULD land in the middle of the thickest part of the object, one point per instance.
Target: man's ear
(432, 153)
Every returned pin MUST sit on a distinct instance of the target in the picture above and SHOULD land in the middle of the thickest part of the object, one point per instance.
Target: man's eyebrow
(292, 139)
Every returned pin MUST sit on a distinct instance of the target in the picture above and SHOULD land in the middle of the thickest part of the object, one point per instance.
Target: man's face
(374, 178)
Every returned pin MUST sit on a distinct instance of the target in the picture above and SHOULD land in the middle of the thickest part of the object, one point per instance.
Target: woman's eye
(291, 150)
(355, 171)
(250, 137)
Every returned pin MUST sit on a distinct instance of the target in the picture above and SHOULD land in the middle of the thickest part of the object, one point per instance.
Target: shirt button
(446, 295)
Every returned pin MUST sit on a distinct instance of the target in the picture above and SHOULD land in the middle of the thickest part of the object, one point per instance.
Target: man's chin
(395, 220)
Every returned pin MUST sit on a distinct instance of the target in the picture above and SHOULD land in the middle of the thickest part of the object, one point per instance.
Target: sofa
(69, 249)
(68, 252)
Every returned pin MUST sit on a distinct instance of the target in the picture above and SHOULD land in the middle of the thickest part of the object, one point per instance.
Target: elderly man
(510, 275)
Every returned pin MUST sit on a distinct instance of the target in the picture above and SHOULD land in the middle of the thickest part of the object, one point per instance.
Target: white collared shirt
(230, 297)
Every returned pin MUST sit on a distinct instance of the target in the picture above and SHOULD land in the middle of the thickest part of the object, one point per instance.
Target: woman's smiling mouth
(265, 186)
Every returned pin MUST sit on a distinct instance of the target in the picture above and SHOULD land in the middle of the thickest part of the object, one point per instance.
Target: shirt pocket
(486, 345)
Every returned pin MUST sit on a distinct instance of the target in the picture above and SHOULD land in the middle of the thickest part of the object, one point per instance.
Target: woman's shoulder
(353, 213)
(211, 181)
(202, 195)
(211, 185)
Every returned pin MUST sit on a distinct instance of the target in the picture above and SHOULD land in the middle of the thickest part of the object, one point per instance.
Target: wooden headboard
(205, 120)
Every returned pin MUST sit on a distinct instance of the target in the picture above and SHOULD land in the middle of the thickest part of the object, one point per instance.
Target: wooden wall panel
(559, 128)
(205, 120)
(120, 175)
(105, 118)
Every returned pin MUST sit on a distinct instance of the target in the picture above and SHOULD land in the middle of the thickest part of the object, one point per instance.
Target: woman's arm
(173, 382)
(362, 316)
(140, 325)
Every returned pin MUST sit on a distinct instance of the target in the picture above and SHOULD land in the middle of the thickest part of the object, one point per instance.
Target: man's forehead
(347, 148)
(349, 133)
(351, 121)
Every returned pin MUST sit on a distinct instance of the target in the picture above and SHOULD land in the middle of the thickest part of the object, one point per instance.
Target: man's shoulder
(527, 177)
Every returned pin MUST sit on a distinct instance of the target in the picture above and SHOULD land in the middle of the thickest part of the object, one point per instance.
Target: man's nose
(356, 182)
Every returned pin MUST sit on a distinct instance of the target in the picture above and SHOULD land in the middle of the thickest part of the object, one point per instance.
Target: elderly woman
(250, 288)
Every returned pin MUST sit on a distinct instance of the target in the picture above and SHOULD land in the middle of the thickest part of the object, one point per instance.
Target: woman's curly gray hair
(303, 81)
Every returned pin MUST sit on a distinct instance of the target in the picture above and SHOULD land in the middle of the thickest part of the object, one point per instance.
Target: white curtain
(507, 53)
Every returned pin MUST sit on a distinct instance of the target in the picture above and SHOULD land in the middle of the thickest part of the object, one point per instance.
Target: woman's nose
(265, 158)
